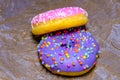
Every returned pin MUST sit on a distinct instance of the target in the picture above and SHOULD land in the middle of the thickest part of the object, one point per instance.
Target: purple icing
(71, 50)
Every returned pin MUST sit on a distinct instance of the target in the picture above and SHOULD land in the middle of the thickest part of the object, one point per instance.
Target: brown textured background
(18, 52)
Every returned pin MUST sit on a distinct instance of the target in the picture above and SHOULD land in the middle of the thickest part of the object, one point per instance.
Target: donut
(69, 52)
(58, 19)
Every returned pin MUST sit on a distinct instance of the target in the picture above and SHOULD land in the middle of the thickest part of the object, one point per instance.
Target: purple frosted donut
(69, 52)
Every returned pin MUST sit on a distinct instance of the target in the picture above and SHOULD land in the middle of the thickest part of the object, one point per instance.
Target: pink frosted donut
(58, 19)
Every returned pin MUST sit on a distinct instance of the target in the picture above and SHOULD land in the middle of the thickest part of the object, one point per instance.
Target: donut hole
(68, 44)
(63, 45)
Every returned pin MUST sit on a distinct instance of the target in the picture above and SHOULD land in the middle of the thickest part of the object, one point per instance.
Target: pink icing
(57, 13)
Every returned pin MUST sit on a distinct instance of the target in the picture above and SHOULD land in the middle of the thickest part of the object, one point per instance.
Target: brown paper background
(18, 51)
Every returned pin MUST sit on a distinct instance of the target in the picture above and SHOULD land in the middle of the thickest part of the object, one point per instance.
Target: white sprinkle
(58, 70)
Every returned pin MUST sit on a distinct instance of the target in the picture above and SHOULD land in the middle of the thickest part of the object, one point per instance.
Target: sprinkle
(52, 48)
(74, 55)
(46, 45)
(55, 65)
(84, 57)
(87, 66)
(41, 46)
(78, 45)
(51, 55)
(62, 37)
(91, 51)
(60, 54)
(41, 53)
(53, 40)
(83, 31)
(68, 65)
(41, 58)
(53, 59)
(62, 59)
(52, 66)
(80, 34)
(71, 38)
(82, 47)
(48, 55)
(97, 56)
(76, 50)
(66, 54)
(77, 40)
(58, 71)
(83, 38)
(78, 57)
(81, 62)
(42, 38)
(55, 62)
(99, 52)
(94, 45)
(61, 62)
(47, 65)
(86, 54)
(82, 42)
(87, 48)
(84, 67)
(49, 43)
(38, 50)
(43, 62)
(73, 63)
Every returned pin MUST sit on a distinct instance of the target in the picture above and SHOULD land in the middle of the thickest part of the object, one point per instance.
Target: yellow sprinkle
(52, 48)
(97, 56)
(67, 55)
(65, 52)
(49, 43)
(94, 45)
(83, 39)
(46, 45)
(84, 57)
(47, 65)
(43, 38)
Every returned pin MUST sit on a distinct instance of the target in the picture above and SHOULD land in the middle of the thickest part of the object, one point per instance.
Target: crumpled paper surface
(18, 51)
